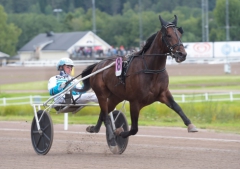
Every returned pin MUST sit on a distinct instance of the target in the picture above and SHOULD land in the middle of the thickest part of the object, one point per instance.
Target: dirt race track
(20, 74)
(151, 148)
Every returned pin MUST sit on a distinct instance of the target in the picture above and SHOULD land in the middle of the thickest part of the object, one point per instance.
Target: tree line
(117, 22)
(112, 7)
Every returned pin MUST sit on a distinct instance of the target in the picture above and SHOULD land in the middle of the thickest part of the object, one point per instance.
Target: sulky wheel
(121, 121)
(42, 140)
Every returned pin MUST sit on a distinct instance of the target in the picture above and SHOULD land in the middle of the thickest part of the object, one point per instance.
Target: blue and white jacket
(54, 84)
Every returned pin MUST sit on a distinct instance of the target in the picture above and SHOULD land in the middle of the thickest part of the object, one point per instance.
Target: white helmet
(64, 61)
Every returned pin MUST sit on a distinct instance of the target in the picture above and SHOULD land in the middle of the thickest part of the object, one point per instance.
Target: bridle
(167, 43)
(165, 40)
(169, 46)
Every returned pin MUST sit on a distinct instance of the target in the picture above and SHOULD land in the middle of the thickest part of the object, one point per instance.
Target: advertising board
(199, 49)
(227, 49)
(212, 49)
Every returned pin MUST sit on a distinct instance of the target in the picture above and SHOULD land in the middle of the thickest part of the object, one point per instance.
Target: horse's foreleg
(169, 101)
(134, 111)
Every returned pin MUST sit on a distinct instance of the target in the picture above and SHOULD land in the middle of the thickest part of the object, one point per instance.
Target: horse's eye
(169, 36)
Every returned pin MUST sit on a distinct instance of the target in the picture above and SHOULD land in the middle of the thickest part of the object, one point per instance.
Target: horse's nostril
(180, 53)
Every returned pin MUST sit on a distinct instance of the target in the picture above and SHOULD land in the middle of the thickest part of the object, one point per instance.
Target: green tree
(9, 34)
(234, 20)
(42, 4)
(122, 30)
(33, 24)
(190, 20)
(117, 22)
(21, 6)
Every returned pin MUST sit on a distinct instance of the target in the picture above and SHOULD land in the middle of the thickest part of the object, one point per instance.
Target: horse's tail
(86, 82)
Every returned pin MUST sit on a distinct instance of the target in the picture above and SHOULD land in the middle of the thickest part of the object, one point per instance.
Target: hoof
(118, 131)
(91, 129)
(192, 128)
(114, 149)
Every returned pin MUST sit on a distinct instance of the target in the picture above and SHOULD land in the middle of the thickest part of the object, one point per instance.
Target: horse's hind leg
(112, 102)
(96, 128)
(107, 123)
(169, 101)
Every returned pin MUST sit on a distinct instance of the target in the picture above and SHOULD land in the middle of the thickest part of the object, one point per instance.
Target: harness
(126, 64)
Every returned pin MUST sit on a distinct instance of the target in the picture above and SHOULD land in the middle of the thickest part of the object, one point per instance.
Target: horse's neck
(155, 57)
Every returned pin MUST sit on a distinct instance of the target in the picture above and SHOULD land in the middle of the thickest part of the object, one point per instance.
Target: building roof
(3, 55)
(54, 41)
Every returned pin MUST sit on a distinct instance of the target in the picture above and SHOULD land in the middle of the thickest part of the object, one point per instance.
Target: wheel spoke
(46, 136)
(38, 141)
(45, 127)
(43, 143)
(35, 132)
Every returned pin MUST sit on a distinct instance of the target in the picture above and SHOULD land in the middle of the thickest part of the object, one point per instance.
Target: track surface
(151, 148)
(9, 75)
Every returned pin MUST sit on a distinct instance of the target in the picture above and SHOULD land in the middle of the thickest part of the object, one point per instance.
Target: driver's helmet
(64, 61)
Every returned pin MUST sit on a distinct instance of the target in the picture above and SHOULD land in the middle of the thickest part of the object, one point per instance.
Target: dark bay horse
(146, 80)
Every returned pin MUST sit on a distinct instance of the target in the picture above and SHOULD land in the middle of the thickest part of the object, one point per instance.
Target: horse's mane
(148, 44)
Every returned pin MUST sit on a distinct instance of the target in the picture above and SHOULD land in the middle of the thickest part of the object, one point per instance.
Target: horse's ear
(175, 20)
(163, 23)
(180, 29)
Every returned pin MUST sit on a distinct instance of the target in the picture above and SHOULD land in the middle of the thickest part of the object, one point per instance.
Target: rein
(150, 71)
(169, 46)
(146, 70)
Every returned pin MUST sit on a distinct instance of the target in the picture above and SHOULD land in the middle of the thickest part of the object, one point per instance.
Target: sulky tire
(121, 121)
(42, 141)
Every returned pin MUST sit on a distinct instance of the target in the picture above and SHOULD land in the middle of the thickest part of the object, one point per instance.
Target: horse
(145, 81)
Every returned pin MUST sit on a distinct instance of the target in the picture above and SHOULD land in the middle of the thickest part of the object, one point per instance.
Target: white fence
(23, 100)
(230, 96)
(181, 98)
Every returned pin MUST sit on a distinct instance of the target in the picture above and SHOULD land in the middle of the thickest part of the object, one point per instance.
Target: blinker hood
(166, 24)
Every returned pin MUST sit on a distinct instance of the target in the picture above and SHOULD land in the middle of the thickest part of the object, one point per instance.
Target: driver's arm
(56, 85)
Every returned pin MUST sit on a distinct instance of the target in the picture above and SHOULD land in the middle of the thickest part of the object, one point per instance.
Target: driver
(57, 84)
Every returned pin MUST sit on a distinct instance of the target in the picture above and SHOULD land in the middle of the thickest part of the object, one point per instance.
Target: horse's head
(171, 35)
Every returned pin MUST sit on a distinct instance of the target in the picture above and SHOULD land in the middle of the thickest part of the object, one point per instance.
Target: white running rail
(179, 98)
